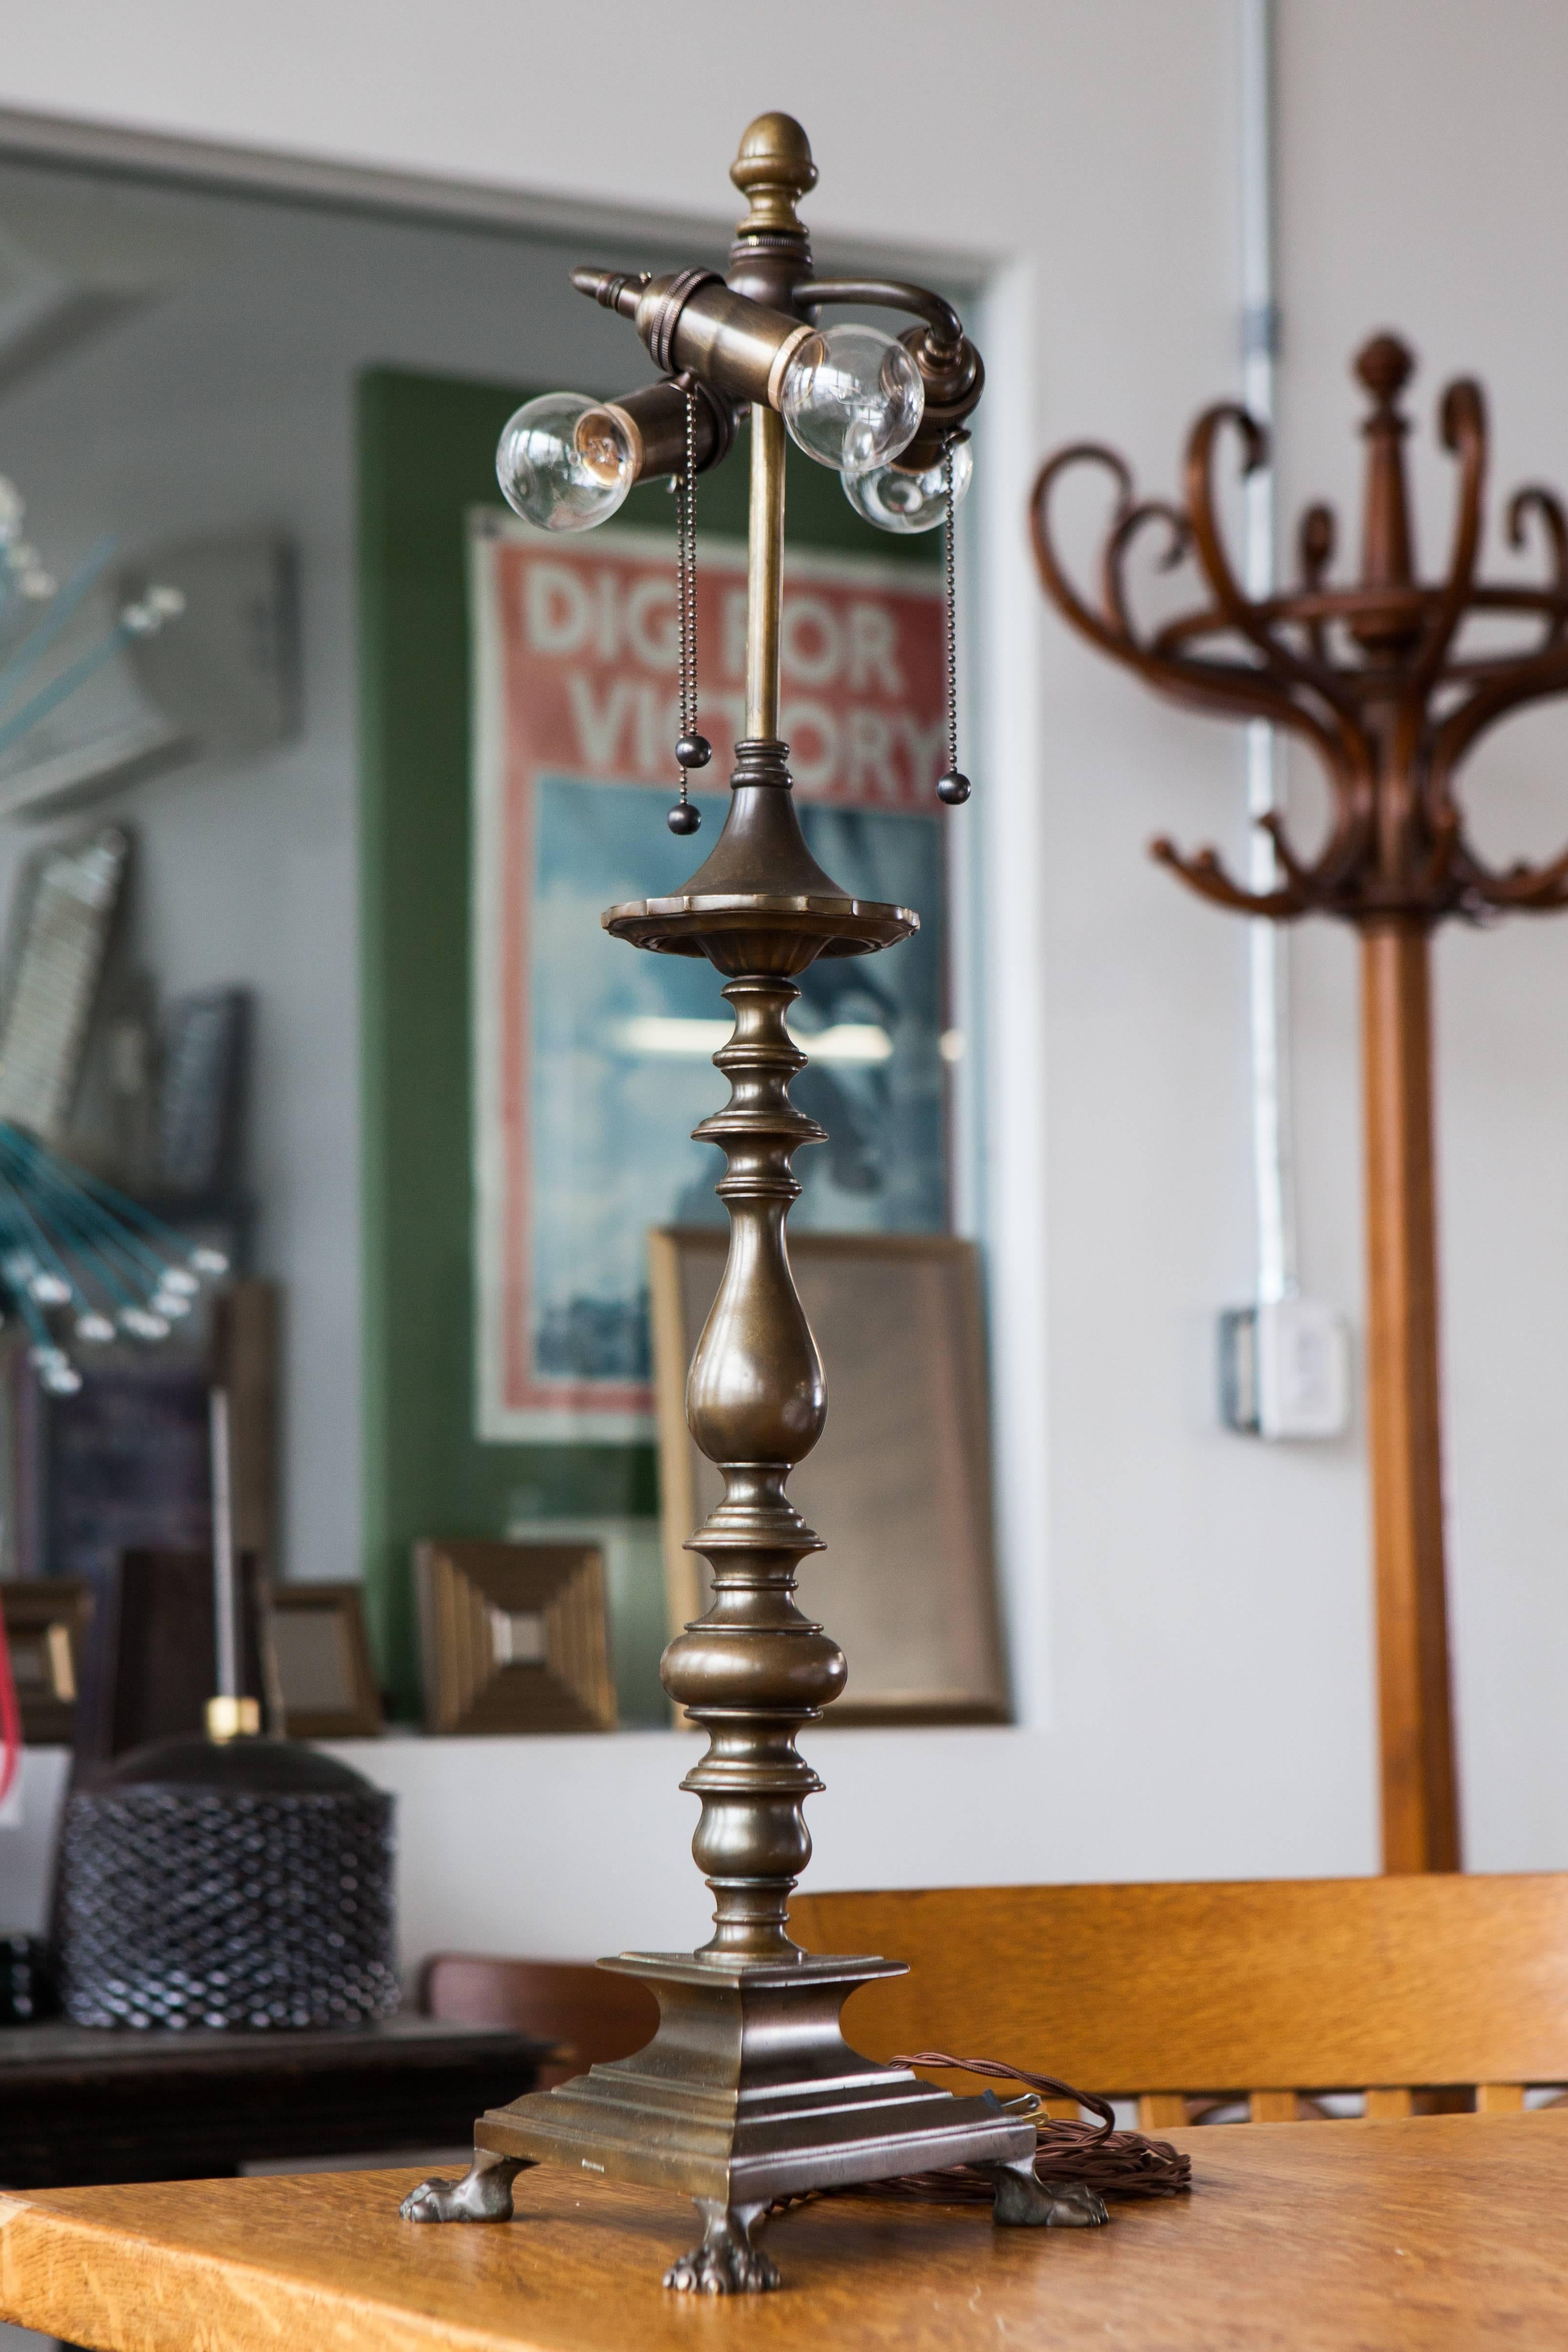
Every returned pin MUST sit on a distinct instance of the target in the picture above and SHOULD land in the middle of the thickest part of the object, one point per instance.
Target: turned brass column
(752, 1671)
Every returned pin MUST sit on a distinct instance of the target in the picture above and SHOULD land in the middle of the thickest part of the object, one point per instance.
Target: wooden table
(78, 2103)
(1439, 2234)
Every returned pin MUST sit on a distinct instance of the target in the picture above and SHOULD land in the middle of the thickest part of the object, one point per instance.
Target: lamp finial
(772, 170)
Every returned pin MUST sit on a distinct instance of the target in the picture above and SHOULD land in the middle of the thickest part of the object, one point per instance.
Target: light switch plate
(1303, 1369)
(1285, 1369)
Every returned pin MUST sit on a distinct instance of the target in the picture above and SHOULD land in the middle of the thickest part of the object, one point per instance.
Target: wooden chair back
(590, 2013)
(1262, 1990)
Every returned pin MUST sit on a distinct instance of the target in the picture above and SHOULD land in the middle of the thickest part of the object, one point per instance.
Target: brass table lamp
(748, 2091)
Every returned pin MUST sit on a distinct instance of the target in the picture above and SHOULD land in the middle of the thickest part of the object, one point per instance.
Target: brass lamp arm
(945, 328)
(952, 372)
(693, 323)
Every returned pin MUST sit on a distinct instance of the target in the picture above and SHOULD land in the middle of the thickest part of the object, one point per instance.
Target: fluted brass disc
(678, 925)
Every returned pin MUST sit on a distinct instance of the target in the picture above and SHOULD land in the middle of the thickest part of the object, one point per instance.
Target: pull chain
(693, 751)
(954, 787)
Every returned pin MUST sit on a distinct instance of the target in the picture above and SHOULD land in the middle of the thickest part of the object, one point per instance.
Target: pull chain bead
(692, 749)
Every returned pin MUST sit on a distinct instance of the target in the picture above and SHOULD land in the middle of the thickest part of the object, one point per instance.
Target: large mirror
(315, 769)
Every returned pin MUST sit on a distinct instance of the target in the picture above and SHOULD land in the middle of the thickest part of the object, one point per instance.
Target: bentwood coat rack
(1376, 679)
(747, 2093)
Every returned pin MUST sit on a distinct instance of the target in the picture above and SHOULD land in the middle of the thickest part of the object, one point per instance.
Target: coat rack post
(1420, 1815)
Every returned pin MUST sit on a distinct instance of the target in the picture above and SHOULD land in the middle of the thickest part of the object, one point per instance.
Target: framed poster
(593, 1063)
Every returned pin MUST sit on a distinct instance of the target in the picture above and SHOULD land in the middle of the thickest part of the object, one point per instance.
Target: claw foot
(1024, 2201)
(1074, 2205)
(483, 2194)
(726, 2263)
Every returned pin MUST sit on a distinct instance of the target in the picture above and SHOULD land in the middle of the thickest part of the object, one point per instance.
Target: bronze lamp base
(748, 2094)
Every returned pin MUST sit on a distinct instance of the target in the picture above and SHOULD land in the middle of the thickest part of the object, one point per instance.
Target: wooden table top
(1442, 2232)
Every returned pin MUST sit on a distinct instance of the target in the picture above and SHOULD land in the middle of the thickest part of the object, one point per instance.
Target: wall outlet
(1285, 1369)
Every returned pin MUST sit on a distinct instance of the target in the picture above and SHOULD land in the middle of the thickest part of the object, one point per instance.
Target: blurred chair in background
(1414, 1991)
(590, 2014)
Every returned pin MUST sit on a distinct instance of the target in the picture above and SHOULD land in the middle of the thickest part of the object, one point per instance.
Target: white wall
(1191, 1611)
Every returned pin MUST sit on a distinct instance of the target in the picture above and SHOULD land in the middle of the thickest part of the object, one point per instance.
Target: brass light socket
(690, 319)
(953, 380)
(653, 421)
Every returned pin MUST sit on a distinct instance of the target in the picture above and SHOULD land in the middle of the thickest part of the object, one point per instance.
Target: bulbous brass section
(755, 1392)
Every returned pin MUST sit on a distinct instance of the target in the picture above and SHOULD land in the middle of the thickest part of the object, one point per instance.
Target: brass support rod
(765, 570)
(1420, 1814)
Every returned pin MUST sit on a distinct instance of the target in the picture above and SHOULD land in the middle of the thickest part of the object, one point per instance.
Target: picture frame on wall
(321, 1655)
(631, 1549)
(899, 1483)
(67, 897)
(48, 1623)
(514, 1637)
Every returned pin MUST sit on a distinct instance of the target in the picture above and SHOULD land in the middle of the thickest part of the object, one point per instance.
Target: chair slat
(1499, 2098)
(1160, 2111)
(1388, 2106)
(1272, 2107)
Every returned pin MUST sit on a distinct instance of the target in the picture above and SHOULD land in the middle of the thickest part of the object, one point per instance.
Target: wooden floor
(1445, 2231)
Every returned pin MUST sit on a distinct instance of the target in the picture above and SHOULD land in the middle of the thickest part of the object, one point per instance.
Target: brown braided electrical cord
(1116, 2164)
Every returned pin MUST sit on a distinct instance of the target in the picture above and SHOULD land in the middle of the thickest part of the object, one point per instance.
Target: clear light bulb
(564, 462)
(852, 398)
(910, 502)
